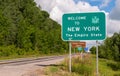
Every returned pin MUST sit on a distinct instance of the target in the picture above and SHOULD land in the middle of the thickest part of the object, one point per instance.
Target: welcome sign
(83, 26)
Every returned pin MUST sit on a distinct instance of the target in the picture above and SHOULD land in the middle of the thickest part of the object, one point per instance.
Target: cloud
(105, 3)
(112, 26)
(55, 14)
(46, 4)
(86, 7)
(95, 0)
(115, 13)
(56, 8)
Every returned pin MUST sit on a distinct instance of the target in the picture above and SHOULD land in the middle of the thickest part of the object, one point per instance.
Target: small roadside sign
(86, 49)
(78, 44)
(79, 48)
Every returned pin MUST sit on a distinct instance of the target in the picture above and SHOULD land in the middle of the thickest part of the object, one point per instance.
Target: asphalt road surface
(21, 66)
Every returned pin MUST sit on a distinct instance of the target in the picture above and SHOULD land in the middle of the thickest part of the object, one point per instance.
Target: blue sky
(109, 6)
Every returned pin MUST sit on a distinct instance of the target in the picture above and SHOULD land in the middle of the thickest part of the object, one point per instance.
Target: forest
(26, 29)
(110, 48)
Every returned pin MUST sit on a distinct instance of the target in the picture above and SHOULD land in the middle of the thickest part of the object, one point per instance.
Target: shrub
(7, 51)
(114, 65)
(81, 67)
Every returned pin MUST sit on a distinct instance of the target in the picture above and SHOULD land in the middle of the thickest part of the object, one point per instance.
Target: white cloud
(46, 4)
(105, 3)
(112, 26)
(115, 13)
(86, 7)
(57, 8)
(55, 14)
(96, 0)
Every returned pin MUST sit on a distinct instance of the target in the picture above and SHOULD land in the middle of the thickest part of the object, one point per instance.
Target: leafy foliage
(26, 27)
(111, 48)
(93, 50)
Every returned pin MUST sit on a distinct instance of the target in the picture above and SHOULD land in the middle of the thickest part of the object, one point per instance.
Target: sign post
(70, 57)
(97, 73)
(83, 26)
(74, 50)
(80, 49)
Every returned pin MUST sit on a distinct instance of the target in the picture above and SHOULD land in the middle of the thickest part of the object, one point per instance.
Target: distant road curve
(30, 60)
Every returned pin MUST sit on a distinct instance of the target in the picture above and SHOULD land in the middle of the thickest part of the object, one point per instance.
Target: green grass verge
(84, 67)
(32, 55)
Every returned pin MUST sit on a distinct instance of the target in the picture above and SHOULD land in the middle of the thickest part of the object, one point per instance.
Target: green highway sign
(83, 26)
(79, 48)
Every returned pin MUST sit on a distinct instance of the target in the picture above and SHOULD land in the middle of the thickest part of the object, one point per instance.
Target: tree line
(26, 29)
(110, 49)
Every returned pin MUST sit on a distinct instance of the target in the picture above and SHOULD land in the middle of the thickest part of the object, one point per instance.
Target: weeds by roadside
(84, 67)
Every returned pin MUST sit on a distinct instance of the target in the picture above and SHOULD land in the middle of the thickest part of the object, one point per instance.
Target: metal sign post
(74, 50)
(70, 57)
(80, 49)
(97, 73)
(81, 55)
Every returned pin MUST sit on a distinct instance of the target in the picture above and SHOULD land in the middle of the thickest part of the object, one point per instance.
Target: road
(22, 66)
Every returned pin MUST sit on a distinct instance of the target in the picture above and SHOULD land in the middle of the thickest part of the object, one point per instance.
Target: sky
(56, 8)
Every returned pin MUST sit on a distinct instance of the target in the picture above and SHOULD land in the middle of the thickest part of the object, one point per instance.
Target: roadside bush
(7, 51)
(12, 51)
(82, 67)
(117, 75)
(114, 65)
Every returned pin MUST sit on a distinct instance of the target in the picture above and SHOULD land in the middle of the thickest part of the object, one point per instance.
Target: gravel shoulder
(26, 69)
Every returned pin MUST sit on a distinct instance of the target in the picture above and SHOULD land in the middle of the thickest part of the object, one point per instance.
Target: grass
(85, 67)
(28, 56)
(57, 71)
(106, 70)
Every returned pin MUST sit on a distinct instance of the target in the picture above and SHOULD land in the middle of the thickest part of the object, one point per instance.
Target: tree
(93, 50)
(111, 47)
(26, 27)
